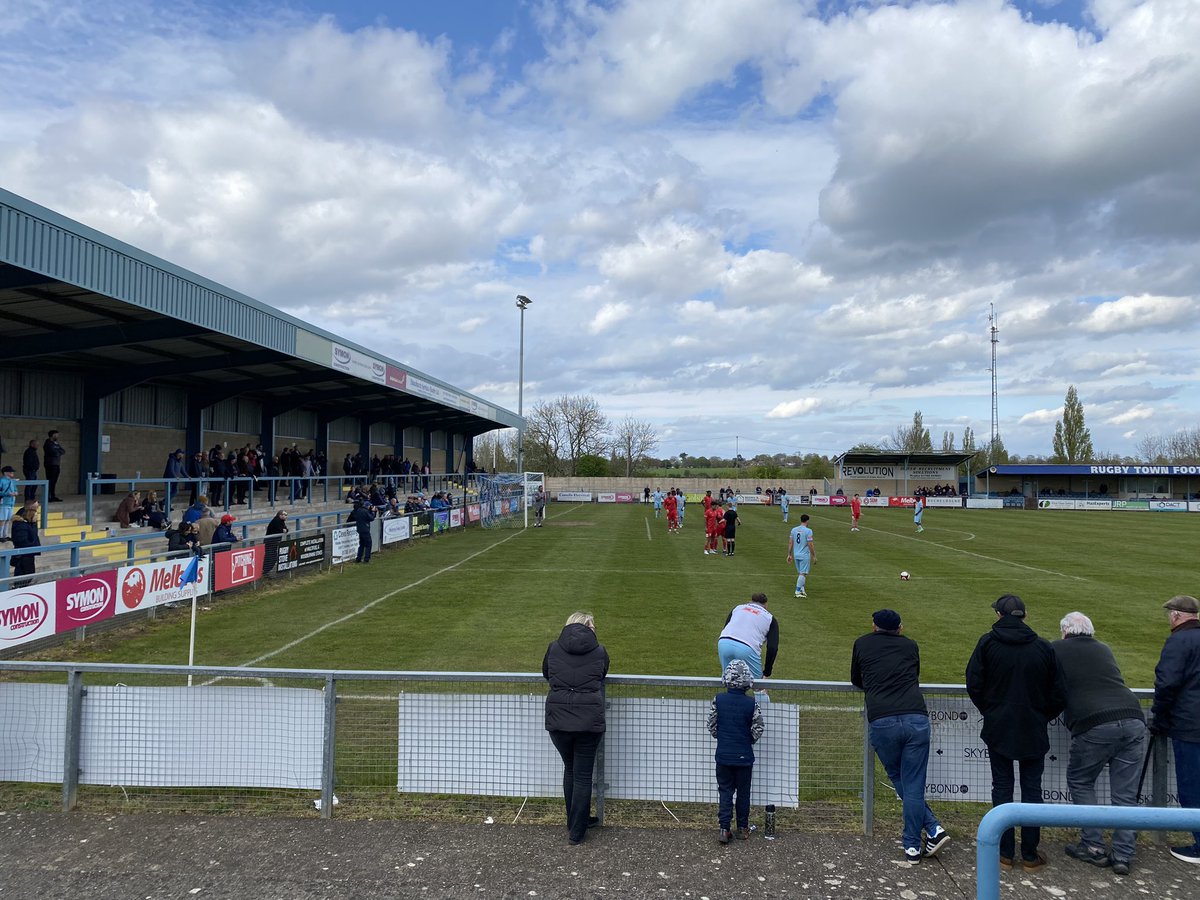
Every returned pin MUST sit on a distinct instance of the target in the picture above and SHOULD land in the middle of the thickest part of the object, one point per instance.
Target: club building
(1112, 481)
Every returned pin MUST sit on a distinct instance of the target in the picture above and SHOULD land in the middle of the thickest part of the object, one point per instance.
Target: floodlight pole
(522, 304)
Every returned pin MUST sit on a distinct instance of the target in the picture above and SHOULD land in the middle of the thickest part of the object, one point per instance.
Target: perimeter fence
(465, 746)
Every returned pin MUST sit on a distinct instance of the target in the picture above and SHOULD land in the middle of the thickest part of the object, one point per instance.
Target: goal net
(503, 499)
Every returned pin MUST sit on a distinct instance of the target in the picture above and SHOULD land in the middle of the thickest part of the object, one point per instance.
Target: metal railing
(274, 490)
(1010, 815)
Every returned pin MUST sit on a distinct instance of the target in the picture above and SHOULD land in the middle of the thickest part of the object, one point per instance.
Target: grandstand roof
(1091, 469)
(74, 299)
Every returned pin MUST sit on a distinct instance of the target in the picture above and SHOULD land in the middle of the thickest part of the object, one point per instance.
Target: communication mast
(995, 332)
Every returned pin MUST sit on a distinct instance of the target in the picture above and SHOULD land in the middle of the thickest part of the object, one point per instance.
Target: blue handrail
(1010, 815)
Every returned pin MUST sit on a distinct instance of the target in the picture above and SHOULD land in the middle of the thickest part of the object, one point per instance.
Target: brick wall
(17, 433)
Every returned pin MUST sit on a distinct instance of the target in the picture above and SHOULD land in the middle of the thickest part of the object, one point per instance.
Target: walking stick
(1146, 763)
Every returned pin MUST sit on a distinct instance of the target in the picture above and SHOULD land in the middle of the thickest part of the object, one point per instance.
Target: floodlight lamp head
(523, 301)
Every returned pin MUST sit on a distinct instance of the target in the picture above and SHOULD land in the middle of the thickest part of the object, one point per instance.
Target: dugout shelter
(130, 357)
(898, 472)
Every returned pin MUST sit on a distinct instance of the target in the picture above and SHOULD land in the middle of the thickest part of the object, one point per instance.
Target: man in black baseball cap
(1014, 681)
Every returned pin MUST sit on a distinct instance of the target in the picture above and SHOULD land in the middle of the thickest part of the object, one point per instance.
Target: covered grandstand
(130, 357)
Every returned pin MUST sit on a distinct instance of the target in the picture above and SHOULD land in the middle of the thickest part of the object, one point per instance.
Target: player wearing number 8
(801, 552)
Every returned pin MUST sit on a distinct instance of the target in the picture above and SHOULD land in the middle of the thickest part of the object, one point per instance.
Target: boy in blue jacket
(735, 720)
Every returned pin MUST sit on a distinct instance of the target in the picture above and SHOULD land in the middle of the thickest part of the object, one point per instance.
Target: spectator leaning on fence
(887, 666)
(1176, 710)
(748, 628)
(735, 720)
(1107, 729)
(1014, 681)
(576, 665)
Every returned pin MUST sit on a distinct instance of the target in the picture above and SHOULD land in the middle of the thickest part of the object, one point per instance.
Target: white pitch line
(995, 559)
(376, 602)
(648, 537)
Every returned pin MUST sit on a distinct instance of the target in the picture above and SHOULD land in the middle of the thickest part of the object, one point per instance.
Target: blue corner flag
(191, 573)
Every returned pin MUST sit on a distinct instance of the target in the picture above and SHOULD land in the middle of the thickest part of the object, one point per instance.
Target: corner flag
(192, 573)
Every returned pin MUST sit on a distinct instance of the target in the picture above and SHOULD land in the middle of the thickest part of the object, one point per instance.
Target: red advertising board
(86, 599)
(902, 501)
(397, 378)
(239, 566)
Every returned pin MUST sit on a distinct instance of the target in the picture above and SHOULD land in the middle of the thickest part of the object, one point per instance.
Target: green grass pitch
(490, 600)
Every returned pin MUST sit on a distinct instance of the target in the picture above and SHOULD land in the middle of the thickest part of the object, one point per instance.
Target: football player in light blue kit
(680, 503)
(801, 552)
(918, 512)
(658, 498)
(784, 502)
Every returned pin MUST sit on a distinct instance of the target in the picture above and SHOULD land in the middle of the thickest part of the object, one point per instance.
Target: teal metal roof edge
(54, 263)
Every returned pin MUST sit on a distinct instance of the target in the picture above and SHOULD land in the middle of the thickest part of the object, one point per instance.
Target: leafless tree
(634, 440)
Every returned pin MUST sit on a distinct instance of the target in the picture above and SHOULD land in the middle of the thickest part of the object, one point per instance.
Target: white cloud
(608, 316)
(1138, 413)
(792, 408)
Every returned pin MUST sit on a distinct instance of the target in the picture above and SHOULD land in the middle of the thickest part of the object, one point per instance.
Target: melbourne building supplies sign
(960, 768)
(152, 584)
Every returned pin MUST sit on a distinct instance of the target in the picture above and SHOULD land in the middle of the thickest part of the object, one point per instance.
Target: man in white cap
(1176, 708)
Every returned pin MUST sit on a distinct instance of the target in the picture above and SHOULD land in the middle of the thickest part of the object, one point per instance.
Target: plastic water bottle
(769, 823)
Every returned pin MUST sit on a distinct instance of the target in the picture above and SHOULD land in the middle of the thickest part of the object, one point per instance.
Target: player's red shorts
(672, 520)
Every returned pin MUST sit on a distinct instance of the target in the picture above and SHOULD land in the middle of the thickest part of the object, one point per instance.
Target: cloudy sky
(771, 224)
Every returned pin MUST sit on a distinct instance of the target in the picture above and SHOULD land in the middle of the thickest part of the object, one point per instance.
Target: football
(904, 576)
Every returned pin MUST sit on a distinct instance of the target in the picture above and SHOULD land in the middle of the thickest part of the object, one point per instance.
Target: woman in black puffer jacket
(576, 665)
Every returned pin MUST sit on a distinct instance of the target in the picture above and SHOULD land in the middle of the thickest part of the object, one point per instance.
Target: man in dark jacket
(887, 666)
(276, 529)
(576, 665)
(1176, 708)
(52, 454)
(30, 463)
(1014, 681)
(362, 516)
(1107, 729)
(25, 534)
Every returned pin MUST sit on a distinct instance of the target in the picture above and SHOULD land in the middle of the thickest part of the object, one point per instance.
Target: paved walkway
(95, 857)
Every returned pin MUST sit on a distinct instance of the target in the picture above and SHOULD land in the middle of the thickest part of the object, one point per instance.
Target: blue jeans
(1121, 746)
(1187, 776)
(731, 780)
(902, 745)
(578, 752)
(728, 650)
(1031, 792)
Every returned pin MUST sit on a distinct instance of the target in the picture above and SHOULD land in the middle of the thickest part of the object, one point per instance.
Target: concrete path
(95, 857)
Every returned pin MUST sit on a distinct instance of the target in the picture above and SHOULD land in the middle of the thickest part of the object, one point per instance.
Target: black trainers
(1084, 853)
(725, 836)
(1120, 866)
(936, 841)
(912, 854)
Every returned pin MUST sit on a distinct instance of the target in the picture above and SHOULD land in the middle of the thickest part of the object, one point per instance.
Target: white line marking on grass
(648, 537)
(996, 559)
(376, 602)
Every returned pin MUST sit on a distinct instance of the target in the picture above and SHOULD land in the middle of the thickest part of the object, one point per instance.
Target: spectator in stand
(206, 527)
(394, 509)
(185, 537)
(153, 513)
(129, 511)
(198, 510)
(8, 501)
(357, 494)
(224, 533)
(348, 466)
(175, 468)
(237, 474)
(52, 454)
(24, 535)
(426, 471)
(218, 473)
(376, 497)
(30, 463)
(272, 472)
(197, 468)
